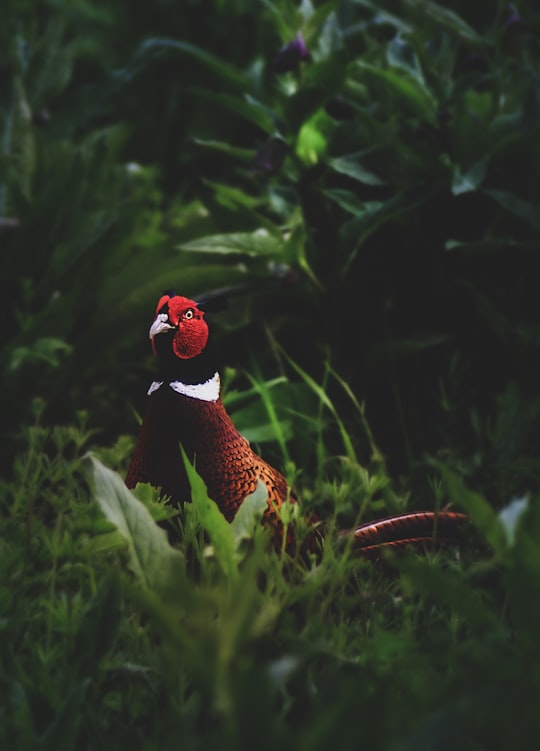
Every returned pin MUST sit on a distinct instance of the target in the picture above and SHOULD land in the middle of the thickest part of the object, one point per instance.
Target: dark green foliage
(364, 178)
(379, 200)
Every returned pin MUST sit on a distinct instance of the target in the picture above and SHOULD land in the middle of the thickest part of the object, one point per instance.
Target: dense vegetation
(364, 178)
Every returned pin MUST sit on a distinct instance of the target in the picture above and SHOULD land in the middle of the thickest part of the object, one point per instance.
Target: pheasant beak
(160, 325)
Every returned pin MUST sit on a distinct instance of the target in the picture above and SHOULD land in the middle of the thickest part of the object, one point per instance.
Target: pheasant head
(179, 328)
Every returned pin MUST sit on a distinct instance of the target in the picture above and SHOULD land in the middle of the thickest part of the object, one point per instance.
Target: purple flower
(291, 55)
(270, 156)
(512, 20)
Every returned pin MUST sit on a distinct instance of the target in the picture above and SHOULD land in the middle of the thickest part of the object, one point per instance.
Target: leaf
(232, 198)
(447, 19)
(353, 204)
(161, 46)
(488, 245)
(400, 54)
(251, 244)
(264, 432)
(475, 505)
(157, 565)
(376, 213)
(511, 516)
(311, 142)
(250, 513)
(245, 155)
(384, 18)
(490, 312)
(517, 206)
(46, 349)
(240, 105)
(351, 166)
(470, 180)
(212, 520)
(408, 90)
(105, 542)
(19, 141)
(392, 349)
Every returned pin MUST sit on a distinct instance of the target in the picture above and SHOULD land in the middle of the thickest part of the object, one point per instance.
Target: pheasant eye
(189, 314)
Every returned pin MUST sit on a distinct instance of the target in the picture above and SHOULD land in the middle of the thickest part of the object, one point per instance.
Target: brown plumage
(223, 457)
(184, 408)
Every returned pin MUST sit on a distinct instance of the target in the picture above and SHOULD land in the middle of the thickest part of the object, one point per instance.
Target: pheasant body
(221, 455)
(185, 409)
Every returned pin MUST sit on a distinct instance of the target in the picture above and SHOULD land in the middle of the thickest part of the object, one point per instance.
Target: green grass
(111, 636)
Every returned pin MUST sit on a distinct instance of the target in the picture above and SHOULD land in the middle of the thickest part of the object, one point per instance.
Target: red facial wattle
(182, 314)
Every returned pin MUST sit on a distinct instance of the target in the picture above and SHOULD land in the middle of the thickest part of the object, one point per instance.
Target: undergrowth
(113, 636)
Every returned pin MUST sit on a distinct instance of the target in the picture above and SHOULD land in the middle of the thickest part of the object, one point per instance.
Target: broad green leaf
(286, 23)
(162, 46)
(250, 513)
(383, 17)
(489, 245)
(408, 91)
(232, 197)
(105, 542)
(517, 206)
(353, 204)
(311, 143)
(393, 349)
(245, 155)
(141, 287)
(465, 182)
(351, 166)
(240, 105)
(212, 520)
(260, 114)
(400, 54)
(447, 19)
(57, 62)
(45, 349)
(511, 516)
(329, 43)
(490, 312)
(157, 565)
(372, 214)
(19, 141)
(252, 244)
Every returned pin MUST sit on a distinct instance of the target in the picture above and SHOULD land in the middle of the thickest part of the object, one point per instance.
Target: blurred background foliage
(366, 174)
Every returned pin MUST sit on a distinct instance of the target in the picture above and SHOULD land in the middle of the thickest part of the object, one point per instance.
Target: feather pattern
(221, 455)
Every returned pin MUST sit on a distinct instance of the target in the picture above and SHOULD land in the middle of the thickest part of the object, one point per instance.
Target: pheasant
(185, 408)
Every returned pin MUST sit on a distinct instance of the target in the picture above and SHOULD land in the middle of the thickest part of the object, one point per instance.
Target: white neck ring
(206, 392)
